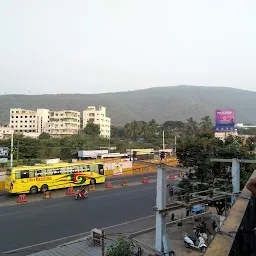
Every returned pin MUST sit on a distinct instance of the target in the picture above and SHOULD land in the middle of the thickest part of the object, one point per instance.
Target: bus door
(101, 169)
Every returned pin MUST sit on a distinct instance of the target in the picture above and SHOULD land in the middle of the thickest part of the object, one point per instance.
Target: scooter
(198, 244)
(81, 195)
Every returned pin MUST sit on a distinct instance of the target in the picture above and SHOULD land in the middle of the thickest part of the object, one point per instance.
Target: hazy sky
(89, 46)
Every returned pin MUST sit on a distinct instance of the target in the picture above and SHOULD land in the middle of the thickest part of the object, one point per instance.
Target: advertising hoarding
(225, 119)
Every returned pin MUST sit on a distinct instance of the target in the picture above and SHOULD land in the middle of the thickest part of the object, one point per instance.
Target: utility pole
(175, 144)
(103, 243)
(18, 147)
(11, 156)
(163, 142)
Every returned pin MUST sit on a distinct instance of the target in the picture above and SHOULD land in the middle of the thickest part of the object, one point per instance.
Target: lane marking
(73, 202)
(81, 234)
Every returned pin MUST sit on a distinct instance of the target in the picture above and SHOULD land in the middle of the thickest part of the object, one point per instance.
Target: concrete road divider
(22, 199)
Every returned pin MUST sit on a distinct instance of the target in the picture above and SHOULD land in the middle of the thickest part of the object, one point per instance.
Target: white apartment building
(5, 132)
(91, 114)
(29, 121)
(63, 123)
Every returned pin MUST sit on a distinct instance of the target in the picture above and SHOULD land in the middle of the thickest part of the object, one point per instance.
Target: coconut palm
(191, 126)
(206, 123)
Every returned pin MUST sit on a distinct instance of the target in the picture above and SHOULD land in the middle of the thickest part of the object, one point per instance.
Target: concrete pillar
(160, 205)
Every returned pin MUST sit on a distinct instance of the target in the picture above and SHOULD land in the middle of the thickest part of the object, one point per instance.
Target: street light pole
(11, 156)
(163, 142)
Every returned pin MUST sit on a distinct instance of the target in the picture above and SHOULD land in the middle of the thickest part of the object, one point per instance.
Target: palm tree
(206, 123)
(153, 126)
(132, 130)
(191, 126)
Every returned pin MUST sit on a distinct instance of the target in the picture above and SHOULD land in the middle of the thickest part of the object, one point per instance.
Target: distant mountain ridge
(160, 103)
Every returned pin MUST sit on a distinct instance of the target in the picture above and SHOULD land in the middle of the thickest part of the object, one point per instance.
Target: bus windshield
(8, 171)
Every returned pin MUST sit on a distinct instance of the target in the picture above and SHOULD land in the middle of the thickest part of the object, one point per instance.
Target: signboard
(117, 169)
(225, 120)
(3, 152)
(3, 160)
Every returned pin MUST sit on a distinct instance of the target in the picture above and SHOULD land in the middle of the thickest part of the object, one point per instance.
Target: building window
(30, 116)
(25, 116)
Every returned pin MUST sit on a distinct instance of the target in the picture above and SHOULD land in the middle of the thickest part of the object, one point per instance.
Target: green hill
(161, 103)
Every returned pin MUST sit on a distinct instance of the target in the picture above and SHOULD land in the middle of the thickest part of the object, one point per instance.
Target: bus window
(38, 173)
(55, 171)
(31, 174)
(88, 168)
(24, 174)
(101, 169)
(17, 175)
(63, 170)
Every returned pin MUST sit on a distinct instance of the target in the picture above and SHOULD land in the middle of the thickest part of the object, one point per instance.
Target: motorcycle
(198, 244)
(81, 195)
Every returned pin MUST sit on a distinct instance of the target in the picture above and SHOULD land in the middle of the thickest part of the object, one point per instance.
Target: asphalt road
(32, 223)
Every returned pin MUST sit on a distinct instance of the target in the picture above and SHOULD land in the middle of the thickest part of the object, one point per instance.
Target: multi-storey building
(63, 123)
(91, 114)
(5, 132)
(29, 121)
(57, 123)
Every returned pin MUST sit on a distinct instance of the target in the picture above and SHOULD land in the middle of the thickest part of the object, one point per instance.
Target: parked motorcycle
(198, 244)
(81, 195)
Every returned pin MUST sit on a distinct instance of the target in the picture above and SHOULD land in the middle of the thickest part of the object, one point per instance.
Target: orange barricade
(124, 183)
(145, 180)
(91, 187)
(47, 195)
(109, 185)
(22, 199)
(70, 191)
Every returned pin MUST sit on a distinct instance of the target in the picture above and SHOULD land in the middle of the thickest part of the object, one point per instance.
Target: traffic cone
(145, 180)
(70, 191)
(171, 177)
(22, 199)
(124, 183)
(109, 185)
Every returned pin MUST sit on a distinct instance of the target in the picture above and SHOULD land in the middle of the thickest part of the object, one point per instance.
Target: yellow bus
(32, 179)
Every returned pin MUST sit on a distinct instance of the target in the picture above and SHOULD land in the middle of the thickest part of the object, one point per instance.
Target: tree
(92, 129)
(206, 124)
(44, 136)
(191, 126)
(123, 247)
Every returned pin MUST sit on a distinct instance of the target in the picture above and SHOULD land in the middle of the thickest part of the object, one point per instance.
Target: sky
(95, 46)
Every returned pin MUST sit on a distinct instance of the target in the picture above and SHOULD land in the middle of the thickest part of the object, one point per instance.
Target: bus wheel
(33, 190)
(92, 181)
(44, 188)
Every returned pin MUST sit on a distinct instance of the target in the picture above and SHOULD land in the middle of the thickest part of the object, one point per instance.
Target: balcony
(238, 232)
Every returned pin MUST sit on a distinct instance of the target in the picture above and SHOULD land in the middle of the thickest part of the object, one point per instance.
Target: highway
(38, 222)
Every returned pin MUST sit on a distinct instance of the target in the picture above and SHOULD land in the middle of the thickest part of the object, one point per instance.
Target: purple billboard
(225, 119)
